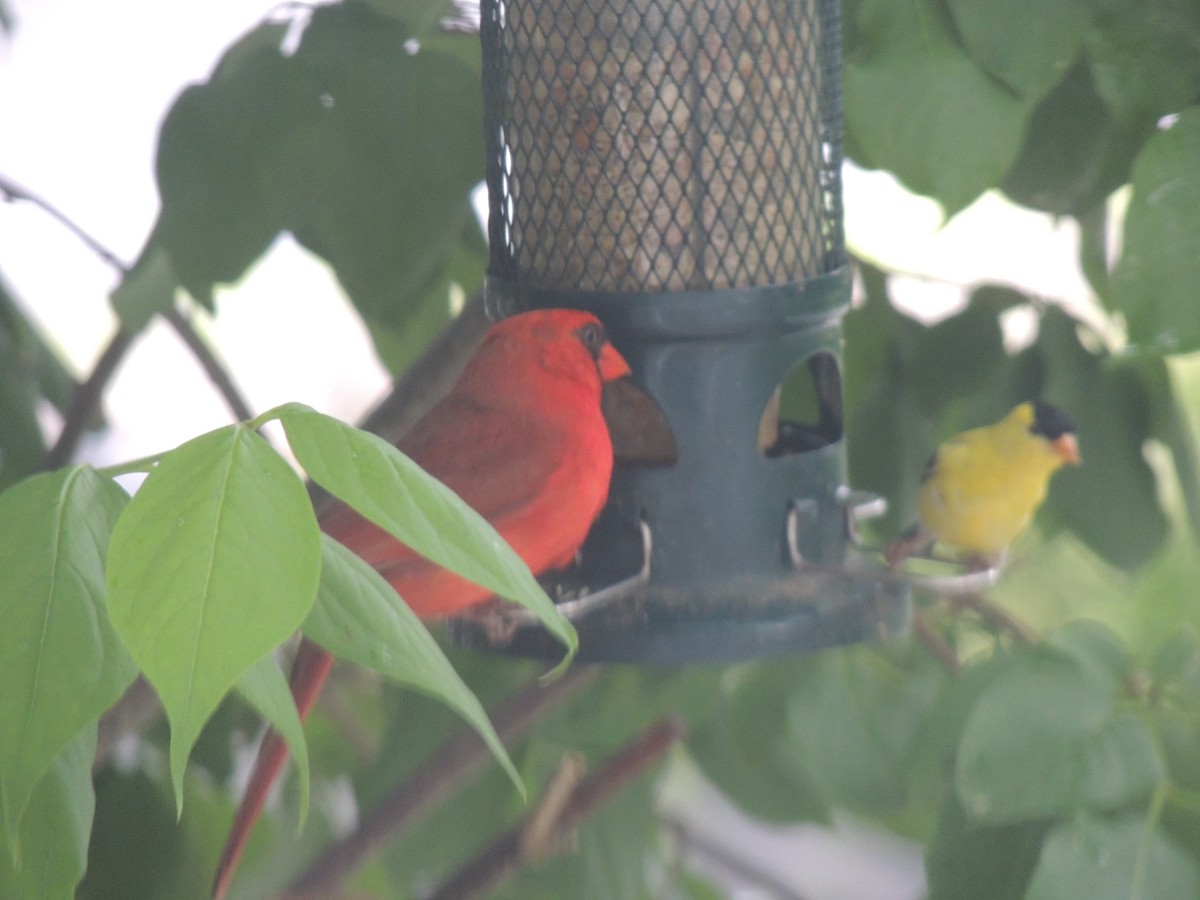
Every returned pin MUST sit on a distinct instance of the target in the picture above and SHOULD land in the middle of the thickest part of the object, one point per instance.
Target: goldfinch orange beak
(1067, 447)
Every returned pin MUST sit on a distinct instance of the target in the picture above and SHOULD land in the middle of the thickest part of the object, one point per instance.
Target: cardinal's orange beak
(1068, 448)
(611, 364)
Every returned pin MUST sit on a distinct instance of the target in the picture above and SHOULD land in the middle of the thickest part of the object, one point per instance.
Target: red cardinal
(522, 440)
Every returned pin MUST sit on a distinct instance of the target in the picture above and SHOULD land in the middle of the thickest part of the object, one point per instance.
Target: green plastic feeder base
(750, 550)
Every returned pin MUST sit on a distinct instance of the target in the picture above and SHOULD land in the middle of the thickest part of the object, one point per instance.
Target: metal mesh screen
(661, 145)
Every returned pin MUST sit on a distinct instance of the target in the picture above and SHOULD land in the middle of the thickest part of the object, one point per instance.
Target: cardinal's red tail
(309, 671)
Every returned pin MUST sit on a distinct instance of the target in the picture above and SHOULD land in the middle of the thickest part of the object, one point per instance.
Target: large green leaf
(1090, 858)
(1075, 151)
(358, 616)
(53, 836)
(1159, 266)
(389, 162)
(388, 488)
(1047, 737)
(219, 167)
(1031, 58)
(969, 861)
(62, 661)
(1143, 57)
(746, 747)
(214, 563)
(364, 149)
(854, 720)
(919, 107)
(1111, 500)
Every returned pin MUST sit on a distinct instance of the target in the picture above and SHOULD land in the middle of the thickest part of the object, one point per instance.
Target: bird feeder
(673, 166)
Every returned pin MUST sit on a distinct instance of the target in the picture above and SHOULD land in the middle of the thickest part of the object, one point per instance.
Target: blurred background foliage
(1065, 768)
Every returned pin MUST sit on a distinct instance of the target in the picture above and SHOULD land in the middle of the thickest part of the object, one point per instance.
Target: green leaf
(39, 358)
(1090, 858)
(1109, 403)
(1101, 655)
(54, 833)
(1045, 737)
(147, 289)
(399, 346)
(22, 446)
(358, 616)
(383, 188)
(1075, 152)
(137, 848)
(62, 661)
(919, 107)
(746, 748)
(214, 563)
(1033, 57)
(265, 688)
(854, 720)
(389, 489)
(968, 861)
(969, 344)
(1160, 263)
(30, 372)
(1169, 424)
(364, 150)
(1143, 58)
(218, 164)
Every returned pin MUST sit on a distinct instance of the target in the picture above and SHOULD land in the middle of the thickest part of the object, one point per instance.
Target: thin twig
(217, 373)
(12, 192)
(461, 758)
(935, 643)
(509, 851)
(996, 617)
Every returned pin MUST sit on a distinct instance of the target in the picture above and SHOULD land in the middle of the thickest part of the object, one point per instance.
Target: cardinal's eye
(593, 337)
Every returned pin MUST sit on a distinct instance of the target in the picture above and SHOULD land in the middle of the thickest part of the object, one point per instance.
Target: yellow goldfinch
(982, 487)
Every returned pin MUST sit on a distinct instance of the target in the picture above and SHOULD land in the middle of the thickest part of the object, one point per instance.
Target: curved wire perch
(584, 604)
(860, 506)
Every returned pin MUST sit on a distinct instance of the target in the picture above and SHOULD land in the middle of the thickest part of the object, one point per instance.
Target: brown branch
(510, 850)
(432, 375)
(85, 402)
(461, 758)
